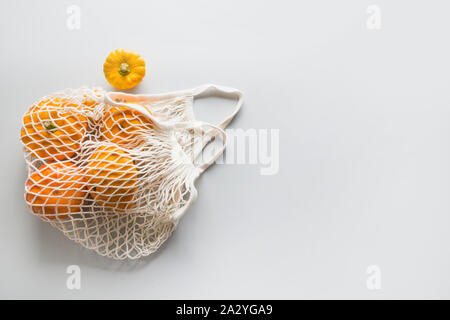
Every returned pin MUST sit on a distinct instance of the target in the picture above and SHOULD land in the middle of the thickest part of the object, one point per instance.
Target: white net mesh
(108, 177)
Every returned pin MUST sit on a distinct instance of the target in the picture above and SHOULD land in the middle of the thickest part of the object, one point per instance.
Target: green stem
(49, 126)
(124, 69)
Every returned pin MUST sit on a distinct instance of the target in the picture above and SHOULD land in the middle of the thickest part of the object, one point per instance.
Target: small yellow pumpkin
(124, 69)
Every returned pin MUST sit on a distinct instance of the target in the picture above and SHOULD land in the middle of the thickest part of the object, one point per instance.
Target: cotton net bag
(115, 172)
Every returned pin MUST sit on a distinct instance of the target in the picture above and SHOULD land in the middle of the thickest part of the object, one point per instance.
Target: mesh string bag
(116, 172)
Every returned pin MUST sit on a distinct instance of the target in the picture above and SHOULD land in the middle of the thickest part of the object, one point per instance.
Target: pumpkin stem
(49, 126)
(124, 69)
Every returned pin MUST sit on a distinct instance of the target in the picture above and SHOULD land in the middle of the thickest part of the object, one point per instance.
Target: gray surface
(364, 147)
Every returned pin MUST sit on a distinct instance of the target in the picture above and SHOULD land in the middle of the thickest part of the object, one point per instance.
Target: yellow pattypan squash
(124, 69)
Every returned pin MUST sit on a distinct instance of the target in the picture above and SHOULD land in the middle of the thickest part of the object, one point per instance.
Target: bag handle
(204, 165)
(225, 92)
(197, 151)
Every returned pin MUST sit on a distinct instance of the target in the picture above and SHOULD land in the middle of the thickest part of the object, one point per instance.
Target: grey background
(364, 146)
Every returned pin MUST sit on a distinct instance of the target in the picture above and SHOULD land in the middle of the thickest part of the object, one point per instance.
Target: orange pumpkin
(112, 177)
(55, 190)
(125, 126)
(53, 129)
